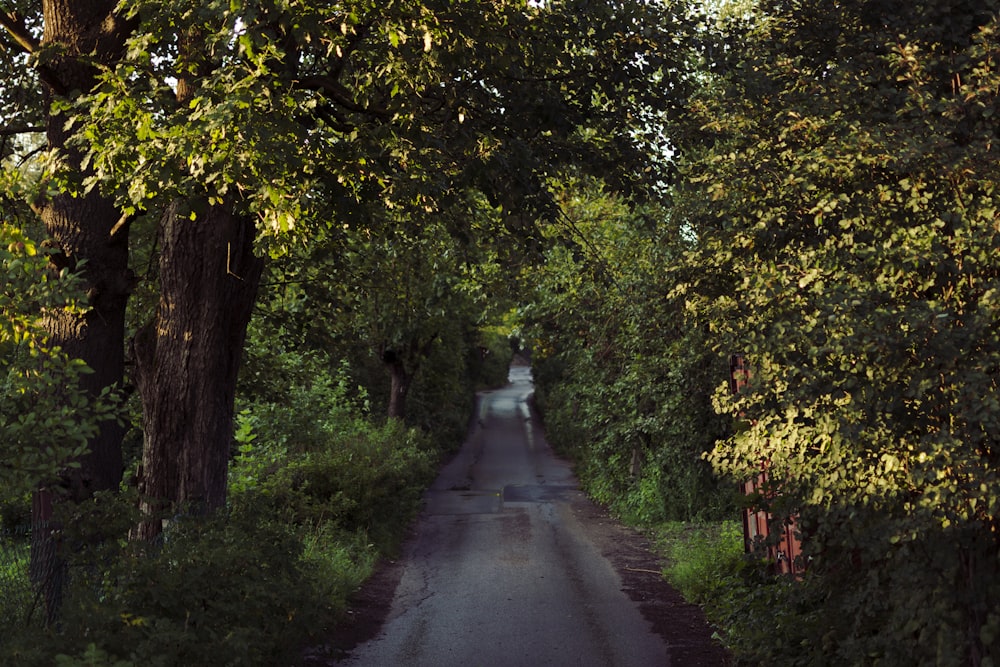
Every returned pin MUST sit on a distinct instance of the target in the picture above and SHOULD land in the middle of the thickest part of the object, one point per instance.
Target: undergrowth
(704, 560)
(318, 491)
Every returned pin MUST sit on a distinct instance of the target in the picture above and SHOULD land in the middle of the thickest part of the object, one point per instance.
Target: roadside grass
(16, 597)
(342, 561)
(705, 562)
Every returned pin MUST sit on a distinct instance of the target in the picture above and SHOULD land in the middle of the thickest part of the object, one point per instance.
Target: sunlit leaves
(45, 420)
(848, 246)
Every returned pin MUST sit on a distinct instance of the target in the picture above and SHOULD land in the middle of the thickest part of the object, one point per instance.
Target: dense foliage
(231, 591)
(835, 220)
(825, 205)
(318, 490)
(230, 129)
(45, 418)
(624, 384)
(326, 462)
(845, 206)
(169, 149)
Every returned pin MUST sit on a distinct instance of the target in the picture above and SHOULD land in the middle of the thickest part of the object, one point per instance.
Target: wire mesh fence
(16, 592)
(32, 576)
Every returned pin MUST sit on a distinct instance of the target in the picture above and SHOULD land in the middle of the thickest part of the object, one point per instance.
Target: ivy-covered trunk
(188, 359)
(399, 387)
(81, 226)
(84, 227)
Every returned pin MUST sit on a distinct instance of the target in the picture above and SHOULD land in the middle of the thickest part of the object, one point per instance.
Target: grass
(15, 588)
(342, 561)
(704, 560)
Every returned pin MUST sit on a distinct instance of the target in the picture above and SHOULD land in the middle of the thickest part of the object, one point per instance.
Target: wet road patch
(539, 493)
(464, 501)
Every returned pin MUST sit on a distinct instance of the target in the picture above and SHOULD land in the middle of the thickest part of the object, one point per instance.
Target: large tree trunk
(189, 358)
(399, 388)
(81, 227)
(403, 364)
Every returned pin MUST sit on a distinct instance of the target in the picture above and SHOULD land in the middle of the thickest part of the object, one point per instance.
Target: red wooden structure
(784, 548)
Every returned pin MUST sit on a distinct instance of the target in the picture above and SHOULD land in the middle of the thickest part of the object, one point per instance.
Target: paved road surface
(500, 572)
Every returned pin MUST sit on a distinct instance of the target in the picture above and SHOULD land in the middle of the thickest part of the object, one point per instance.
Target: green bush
(340, 560)
(880, 601)
(315, 458)
(233, 589)
(623, 378)
(758, 615)
(317, 492)
(92, 656)
(848, 246)
(15, 512)
(769, 619)
(16, 596)
(368, 481)
(295, 400)
(637, 433)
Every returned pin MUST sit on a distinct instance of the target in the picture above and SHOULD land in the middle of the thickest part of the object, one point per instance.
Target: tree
(624, 382)
(76, 39)
(86, 228)
(286, 112)
(845, 210)
(225, 122)
(409, 287)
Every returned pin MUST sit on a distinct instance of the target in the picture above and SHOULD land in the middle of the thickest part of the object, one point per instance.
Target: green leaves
(851, 255)
(45, 420)
(624, 384)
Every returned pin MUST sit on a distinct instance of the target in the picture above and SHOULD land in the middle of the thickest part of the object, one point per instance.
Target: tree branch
(353, 43)
(20, 129)
(27, 156)
(339, 94)
(14, 25)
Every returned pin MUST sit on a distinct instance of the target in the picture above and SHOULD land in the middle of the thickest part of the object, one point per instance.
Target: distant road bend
(500, 571)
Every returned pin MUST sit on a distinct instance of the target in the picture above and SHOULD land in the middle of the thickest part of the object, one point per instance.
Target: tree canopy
(240, 128)
(351, 193)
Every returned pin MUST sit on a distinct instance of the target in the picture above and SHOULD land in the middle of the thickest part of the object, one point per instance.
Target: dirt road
(511, 565)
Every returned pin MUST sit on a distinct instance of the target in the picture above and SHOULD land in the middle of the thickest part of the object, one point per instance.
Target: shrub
(16, 596)
(317, 491)
(340, 560)
(233, 589)
(753, 610)
(315, 457)
(370, 480)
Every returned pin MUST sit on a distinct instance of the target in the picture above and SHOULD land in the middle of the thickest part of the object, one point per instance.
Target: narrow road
(500, 571)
